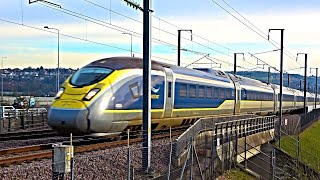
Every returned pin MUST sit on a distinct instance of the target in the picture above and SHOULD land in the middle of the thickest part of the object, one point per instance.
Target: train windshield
(89, 76)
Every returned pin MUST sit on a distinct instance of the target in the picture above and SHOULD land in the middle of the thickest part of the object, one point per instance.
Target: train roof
(118, 63)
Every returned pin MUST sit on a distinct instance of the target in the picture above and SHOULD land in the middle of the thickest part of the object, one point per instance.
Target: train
(105, 97)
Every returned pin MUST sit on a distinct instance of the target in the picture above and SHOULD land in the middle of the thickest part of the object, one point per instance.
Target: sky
(93, 29)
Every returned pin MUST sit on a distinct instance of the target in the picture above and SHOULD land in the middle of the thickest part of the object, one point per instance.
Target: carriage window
(192, 91)
(228, 94)
(222, 93)
(183, 90)
(201, 91)
(216, 93)
(169, 88)
(209, 92)
(135, 89)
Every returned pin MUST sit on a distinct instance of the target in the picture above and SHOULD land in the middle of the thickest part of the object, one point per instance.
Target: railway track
(24, 135)
(31, 153)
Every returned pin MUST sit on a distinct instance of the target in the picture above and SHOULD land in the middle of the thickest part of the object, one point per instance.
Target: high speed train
(105, 96)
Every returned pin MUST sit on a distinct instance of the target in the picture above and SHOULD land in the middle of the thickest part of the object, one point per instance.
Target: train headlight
(91, 94)
(60, 92)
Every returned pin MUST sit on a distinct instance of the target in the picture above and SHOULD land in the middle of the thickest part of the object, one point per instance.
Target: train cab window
(88, 76)
(135, 89)
(201, 91)
(192, 91)
(183, 90)
(209, 92)
(216, 93)
(222, 93)
(169, 89)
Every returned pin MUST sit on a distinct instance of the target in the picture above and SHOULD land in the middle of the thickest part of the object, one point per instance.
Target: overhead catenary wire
(264, 36)
(165, 21)
(78, 38)
(118, 28)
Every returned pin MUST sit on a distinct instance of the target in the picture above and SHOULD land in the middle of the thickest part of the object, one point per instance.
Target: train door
(169, 92)
(237, 98)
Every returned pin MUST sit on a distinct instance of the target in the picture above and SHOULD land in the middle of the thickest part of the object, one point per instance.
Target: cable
(78, 15)
(103, 7)
(81, 39)
(289, 54)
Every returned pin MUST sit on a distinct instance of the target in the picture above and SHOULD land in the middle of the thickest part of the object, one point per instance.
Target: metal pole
(268, 75)
(315, 103)
(169, 168)
(58, 74)
(146, 153)
(235, 64)
(2, 80)
(129, 155)
(288, 80)
(305, 84)
(179, 45)
(281, 85)
(58, 70)
(131, 44)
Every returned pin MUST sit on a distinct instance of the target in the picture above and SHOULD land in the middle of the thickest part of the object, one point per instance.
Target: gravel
(101, 164)
(30, 142)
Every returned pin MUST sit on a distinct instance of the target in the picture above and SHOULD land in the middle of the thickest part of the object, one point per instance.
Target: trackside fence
(22, 119)
(215, 148)
(306, 160)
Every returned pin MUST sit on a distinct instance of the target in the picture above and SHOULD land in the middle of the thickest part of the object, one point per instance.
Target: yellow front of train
(81, 100)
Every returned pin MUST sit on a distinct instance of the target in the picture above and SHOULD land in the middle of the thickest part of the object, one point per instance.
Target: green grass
(309, 146)
(236, 174)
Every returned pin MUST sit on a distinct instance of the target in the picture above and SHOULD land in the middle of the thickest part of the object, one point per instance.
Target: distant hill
(275, 79)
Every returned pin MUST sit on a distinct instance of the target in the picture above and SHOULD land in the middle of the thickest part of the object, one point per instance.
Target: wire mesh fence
(205, 155)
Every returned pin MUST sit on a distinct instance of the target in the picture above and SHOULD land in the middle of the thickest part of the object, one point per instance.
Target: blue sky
(82, 41)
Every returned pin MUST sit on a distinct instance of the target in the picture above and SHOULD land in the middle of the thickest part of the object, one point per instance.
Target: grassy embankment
(236, 174)
(309, 146)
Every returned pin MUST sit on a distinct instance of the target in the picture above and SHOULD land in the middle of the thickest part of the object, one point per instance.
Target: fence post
(230, 140)
(273, 163)
(222, 151)
(297, 152)
(42, 118)
(32, 120)
(236, 145)
(9, 123)
(72, 160)
(185, 163)
(1, 124)
(21, 120)
(169, 167)
(214, 135)
(191, 167)
(245, 143)
(52, 166)
(129, 155)
(206, 157)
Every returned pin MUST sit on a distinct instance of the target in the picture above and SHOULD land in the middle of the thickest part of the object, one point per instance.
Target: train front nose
(67, 121)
